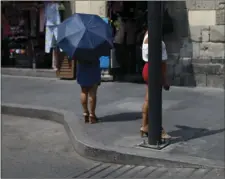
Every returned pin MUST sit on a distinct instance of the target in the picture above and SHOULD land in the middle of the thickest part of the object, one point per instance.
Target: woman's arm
(164, 66)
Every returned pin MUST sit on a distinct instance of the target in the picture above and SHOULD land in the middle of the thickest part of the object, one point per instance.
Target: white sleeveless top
(145, 50)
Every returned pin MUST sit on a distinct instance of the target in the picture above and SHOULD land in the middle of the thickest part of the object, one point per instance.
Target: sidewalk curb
(29, 72)
(47, 73)
(97, 151)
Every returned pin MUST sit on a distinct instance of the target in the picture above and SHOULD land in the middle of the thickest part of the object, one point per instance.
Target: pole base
(161, 146)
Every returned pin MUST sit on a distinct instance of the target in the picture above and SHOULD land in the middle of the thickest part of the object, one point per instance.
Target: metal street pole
(155, 72)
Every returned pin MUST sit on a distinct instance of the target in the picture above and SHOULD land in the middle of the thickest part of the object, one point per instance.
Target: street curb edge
(97, 151)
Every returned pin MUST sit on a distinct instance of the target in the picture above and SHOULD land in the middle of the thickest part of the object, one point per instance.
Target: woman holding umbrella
(86, 37)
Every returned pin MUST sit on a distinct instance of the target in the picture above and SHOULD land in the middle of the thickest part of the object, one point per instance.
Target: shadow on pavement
(128, 116)
(186, 133)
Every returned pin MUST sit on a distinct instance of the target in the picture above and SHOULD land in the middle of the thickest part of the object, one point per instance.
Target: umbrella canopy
(85, 36)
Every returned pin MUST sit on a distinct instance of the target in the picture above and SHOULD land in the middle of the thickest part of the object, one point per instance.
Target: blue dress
(88, 74)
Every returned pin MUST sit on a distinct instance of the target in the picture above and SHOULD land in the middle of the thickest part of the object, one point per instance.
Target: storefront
(25, 47)
(23, 21)
(129, 22)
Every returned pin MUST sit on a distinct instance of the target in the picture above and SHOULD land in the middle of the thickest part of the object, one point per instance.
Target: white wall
(90, 7)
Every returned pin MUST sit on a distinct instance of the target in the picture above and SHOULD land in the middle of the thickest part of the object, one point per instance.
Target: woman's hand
(165, 85)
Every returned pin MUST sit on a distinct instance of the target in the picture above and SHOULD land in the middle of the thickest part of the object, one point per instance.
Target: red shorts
(145, 71)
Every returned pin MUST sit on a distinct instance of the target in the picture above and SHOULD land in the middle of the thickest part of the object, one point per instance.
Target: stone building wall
(197, 47)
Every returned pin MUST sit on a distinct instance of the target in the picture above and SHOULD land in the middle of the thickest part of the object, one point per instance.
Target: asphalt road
(38, 148)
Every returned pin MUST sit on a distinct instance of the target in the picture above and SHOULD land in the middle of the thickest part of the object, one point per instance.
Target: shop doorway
(129, 23)
(26, 42)
(129, 20)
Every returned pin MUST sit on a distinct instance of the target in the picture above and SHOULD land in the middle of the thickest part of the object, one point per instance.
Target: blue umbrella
(85, 36)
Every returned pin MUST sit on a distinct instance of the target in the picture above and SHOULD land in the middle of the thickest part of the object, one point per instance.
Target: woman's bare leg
(84, 102)
(92, 102)
(145, 113)
(144, 127)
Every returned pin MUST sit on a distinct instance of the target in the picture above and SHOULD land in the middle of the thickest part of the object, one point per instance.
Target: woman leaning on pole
(144, 126)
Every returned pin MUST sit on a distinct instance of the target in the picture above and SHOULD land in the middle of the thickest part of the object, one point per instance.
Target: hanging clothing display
(50, 38)
(52, 17)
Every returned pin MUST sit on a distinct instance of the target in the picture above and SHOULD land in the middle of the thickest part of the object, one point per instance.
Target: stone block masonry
(217, 33)
(220, 14)
(200, 55)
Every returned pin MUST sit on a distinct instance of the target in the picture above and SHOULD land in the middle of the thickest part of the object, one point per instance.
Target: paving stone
(94, 171)
(112, 168)
(158, 172)
(121, 171)
(145, 172)
(133, 172)
(81, 172)
(200, 173)
(171, 172)
(185, 172)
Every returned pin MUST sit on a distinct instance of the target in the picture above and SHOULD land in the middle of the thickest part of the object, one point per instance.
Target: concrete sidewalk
(194, 115)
